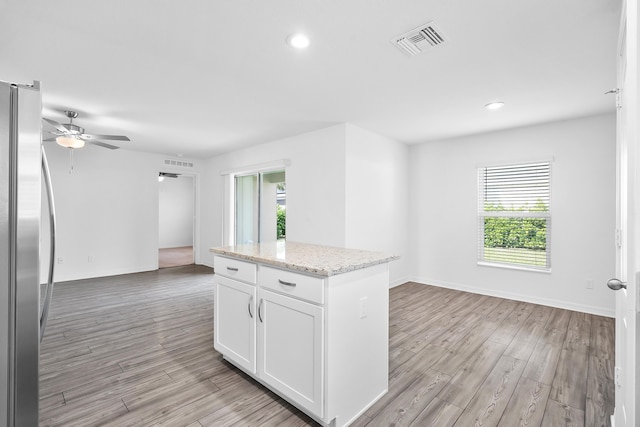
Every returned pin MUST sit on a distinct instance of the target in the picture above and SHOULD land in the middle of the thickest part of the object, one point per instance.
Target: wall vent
(178, 163)
(419, 39)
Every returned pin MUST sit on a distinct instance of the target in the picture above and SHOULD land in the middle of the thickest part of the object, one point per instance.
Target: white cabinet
(320, 342)
(234, 311)
(291, 349)
(235, 269)
(234, 320)
(300, 286)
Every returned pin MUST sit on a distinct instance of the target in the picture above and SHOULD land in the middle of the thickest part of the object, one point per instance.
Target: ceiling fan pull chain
(71, 158)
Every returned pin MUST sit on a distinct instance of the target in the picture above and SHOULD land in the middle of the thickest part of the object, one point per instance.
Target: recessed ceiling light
(299, 41)
(494, 105)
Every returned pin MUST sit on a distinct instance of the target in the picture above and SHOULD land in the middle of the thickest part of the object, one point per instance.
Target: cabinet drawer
(294, 284)
(235, 269)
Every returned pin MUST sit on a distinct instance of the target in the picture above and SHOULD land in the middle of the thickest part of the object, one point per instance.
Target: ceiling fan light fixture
(70, 142)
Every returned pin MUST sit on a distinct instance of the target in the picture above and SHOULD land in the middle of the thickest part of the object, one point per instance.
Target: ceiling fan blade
(89, 137)
(55, 124)
(49, 139)
(103, 144)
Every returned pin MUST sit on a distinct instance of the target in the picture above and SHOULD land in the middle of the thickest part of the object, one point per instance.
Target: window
(514, 215)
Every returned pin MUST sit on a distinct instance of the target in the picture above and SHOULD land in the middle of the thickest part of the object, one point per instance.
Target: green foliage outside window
(281, 221)
(516, 232)
(525, 233)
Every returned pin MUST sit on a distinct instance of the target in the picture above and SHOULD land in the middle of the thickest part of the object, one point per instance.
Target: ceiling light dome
(70, 142)
(495, 105)
(298, 41)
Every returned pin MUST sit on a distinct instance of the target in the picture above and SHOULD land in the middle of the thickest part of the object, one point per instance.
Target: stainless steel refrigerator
(22, 316)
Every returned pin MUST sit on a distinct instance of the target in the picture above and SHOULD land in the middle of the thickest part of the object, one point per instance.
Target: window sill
(514, 267)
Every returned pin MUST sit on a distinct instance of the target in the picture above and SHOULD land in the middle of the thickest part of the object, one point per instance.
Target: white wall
(377, 197)
(175, 212)
(443, 237)
(107, 211)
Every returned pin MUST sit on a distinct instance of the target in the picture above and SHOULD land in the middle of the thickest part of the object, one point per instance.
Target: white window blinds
(514, 215)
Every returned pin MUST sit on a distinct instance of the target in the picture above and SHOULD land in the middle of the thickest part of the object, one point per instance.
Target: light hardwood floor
(136, 350)
(175, 257)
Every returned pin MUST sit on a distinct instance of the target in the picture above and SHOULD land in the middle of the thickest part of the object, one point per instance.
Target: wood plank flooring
(175, 257)
(136, 350)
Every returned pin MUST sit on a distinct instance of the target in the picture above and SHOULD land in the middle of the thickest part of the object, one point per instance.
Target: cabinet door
(235, 323)
(291, 349)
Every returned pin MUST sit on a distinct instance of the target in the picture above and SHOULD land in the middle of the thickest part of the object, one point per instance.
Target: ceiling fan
(70, 135)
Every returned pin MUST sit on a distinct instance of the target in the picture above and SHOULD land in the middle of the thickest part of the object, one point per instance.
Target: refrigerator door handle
(44, 315)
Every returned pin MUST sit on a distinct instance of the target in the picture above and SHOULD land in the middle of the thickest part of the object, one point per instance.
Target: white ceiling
(202, 77)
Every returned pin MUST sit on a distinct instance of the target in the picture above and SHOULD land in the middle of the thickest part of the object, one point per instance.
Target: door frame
(195, 229)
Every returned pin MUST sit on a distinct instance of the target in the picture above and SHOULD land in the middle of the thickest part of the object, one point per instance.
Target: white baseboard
(567, 305)
(82, 275)
(398, 282)
(92, 274)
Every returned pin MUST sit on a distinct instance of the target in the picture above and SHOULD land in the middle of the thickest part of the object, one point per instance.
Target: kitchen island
(309, 322)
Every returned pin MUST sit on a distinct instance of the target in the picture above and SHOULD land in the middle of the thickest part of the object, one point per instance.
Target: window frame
(482, 214)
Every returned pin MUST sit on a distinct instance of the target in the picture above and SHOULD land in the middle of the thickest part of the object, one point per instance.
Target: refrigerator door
(20, 186)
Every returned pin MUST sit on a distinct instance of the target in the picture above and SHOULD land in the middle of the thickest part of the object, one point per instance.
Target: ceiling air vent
(419, 39)
(178, 163)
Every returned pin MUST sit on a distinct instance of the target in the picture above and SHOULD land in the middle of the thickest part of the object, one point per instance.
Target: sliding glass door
(260, 207)
(247, 209)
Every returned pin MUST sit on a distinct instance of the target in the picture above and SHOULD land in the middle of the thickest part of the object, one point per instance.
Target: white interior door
(625, 282)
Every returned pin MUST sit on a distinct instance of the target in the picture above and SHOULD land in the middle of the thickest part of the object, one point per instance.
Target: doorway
(176, 213)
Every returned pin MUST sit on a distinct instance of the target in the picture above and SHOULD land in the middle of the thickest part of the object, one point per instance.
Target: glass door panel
(247, 209)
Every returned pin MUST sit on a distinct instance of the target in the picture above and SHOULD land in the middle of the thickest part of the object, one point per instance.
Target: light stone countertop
(306, 258)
